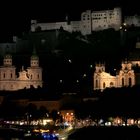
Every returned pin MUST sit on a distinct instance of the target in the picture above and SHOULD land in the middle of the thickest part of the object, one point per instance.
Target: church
(128, 75)
(10, 81)
(102, 79)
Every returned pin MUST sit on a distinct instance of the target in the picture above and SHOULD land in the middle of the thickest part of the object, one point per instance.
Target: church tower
(7, 74)
(126, 75)
(99, 68)
(34, 71)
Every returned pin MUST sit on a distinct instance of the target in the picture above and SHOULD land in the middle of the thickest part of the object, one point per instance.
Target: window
(96, 83)
(122, 81)
(11, 75)
(130, 82)
(38, 76)
(111, 84)
(104, 85)
(4, 75)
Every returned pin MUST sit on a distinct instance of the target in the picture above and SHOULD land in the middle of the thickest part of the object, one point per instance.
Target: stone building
(10, 81)
(90, 21)
(102, 79)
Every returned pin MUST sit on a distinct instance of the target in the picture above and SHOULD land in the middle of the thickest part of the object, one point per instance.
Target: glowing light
(124, 24)
(77, 81)
(71, 113)
(70, 61)
(91, 66)
(84, 75)
(61, 81)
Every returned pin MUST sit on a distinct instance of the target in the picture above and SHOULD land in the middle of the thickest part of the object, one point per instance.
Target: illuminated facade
(90, 21)
(100, 20)
(102, 79)
(32, 76)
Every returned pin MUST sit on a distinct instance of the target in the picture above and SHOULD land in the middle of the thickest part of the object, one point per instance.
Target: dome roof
(8, 56)
(34, 57)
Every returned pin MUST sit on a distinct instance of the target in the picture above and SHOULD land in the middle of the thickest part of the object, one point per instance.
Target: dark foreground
(106, 133)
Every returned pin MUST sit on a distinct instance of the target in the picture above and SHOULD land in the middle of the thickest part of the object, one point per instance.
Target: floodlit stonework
(90, 21)
(102, 79)
(32, 76)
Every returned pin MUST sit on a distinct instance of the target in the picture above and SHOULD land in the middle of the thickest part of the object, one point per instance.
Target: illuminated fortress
(90, 21)
(32, 76)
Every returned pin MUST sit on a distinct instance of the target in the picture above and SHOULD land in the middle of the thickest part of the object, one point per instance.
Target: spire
(34, 58)
(34, 54)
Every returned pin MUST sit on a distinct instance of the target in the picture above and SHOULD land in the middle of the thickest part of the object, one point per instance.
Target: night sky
(15, 17)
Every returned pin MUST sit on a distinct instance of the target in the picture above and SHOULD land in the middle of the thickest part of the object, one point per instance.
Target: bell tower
(34, 71)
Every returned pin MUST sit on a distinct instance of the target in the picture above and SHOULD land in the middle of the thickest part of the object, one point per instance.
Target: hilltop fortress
(90, 21)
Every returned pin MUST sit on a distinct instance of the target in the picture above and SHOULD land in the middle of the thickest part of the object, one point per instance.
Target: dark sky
(15, 17)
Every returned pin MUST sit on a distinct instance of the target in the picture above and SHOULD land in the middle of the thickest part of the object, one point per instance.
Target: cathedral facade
(102, 79)
(10, 81)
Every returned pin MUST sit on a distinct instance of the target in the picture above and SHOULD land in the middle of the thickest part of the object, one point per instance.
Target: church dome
(8, 56)
(34, 57)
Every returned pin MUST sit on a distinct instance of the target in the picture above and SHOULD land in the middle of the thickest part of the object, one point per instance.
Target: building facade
(90, 21)
(102, 79)
(31, 77)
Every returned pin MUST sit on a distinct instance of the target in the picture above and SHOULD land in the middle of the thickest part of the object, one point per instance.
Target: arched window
(4, 75)
(130, 81)
(122, 82)
(104, 85)
(96, 84)
(111, 84)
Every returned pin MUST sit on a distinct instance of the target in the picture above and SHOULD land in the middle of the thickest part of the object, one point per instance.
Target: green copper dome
(34, 55)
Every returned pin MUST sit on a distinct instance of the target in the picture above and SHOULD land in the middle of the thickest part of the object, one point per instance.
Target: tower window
(38, 76)
(11, 75)
(130, 81)
(122, 81)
